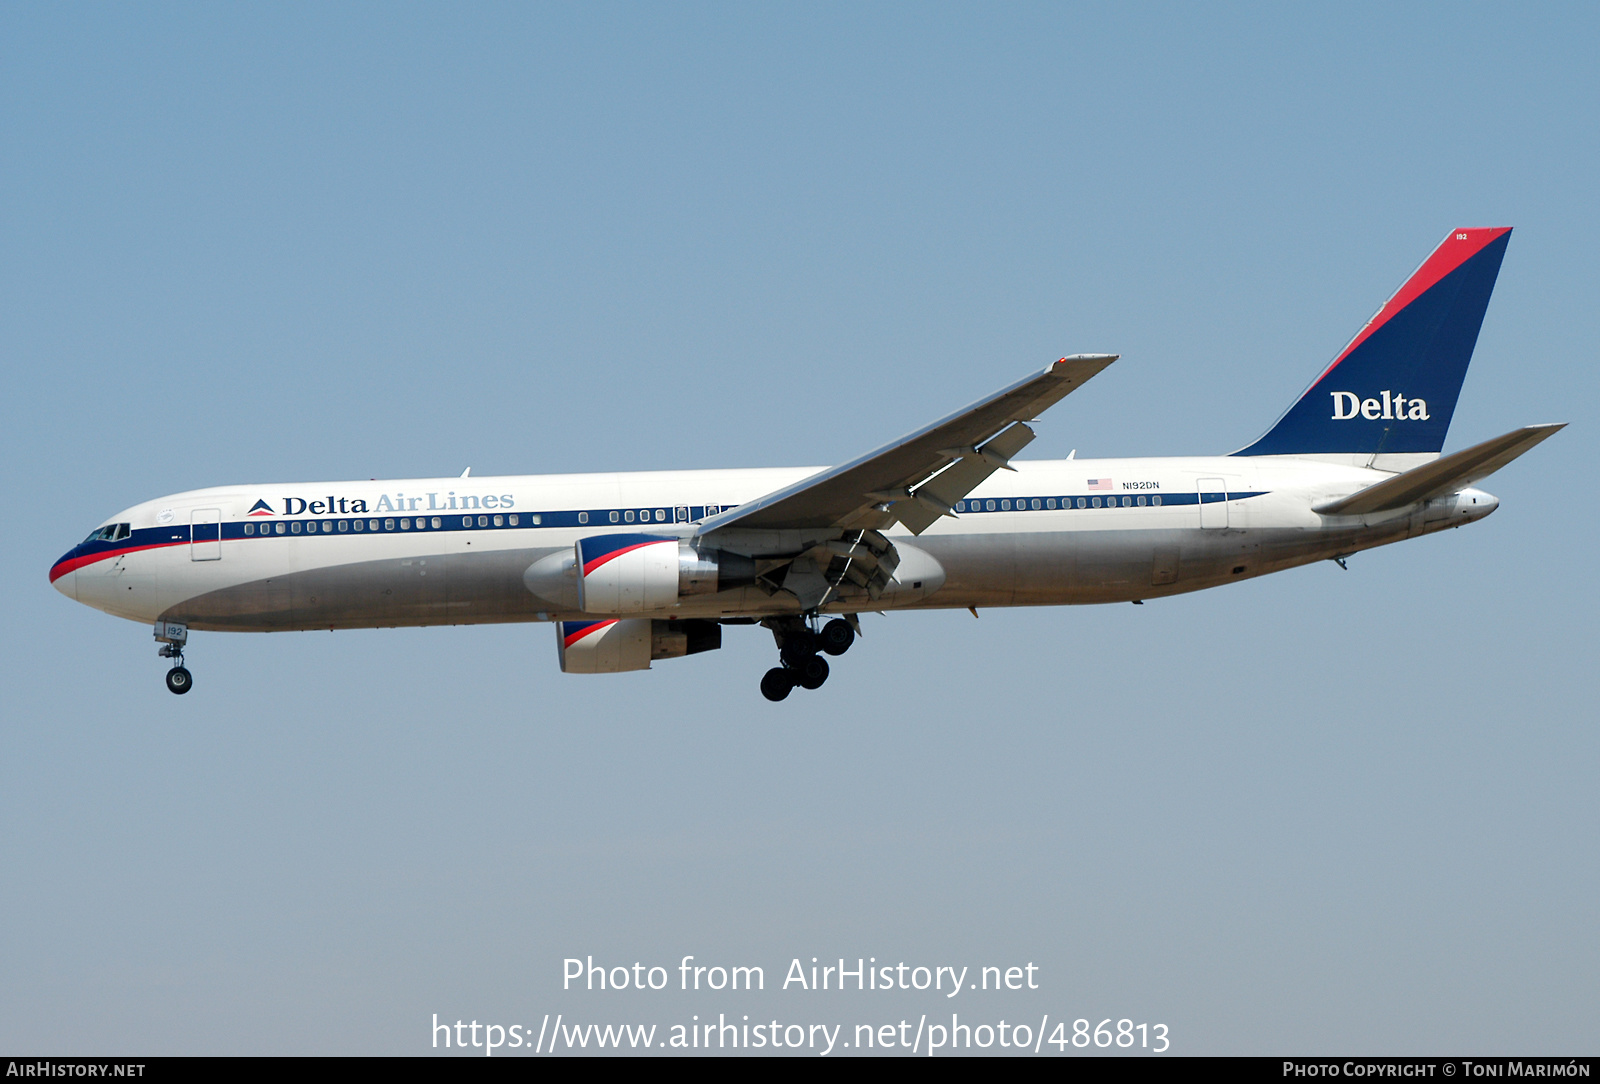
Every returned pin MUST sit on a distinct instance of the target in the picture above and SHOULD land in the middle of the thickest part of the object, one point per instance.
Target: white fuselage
(463, 550)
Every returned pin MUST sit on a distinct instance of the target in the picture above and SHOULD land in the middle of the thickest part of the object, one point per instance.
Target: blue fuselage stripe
(360, 527)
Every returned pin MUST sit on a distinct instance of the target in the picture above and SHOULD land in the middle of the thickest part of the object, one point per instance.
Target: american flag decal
(1099, 483)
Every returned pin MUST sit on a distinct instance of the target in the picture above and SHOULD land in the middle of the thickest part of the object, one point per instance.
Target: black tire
(777, 683)
(179, 680)
(837, 636)
(798, 646)
(812, 673)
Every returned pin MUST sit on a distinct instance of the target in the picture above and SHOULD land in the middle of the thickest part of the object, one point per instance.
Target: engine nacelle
(637, 573)
(630, 643)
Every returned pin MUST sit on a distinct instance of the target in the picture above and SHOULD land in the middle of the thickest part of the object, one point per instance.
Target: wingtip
(1103, 359)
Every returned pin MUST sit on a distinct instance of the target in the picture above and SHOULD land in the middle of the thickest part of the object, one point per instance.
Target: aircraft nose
(64, 575)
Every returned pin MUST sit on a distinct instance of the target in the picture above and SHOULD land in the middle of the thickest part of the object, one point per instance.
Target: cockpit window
(111, 532)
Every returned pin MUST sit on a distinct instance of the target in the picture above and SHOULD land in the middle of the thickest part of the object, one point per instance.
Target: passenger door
(1213, 493)
(205, 534)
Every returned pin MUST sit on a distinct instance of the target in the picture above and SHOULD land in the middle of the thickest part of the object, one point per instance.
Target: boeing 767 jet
(638, 567)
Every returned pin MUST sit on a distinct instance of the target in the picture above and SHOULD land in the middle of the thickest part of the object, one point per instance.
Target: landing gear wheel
(179, 681)
(837, 636)
(798, 646)
(777, 683)
(812, 673)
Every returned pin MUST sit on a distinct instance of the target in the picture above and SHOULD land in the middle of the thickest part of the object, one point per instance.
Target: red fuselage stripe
(73, 564)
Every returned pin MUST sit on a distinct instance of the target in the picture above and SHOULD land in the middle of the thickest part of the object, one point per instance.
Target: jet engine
(636, 573)
(630, 643)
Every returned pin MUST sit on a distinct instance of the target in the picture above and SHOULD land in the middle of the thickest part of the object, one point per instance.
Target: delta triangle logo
(261, 508)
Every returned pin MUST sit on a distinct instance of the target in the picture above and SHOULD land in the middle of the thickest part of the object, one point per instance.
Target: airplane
(632, 568)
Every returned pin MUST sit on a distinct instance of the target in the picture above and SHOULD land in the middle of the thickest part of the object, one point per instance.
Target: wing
(917, 479)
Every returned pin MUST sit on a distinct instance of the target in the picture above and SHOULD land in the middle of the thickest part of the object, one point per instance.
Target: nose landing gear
(173, 636)
(800, 649)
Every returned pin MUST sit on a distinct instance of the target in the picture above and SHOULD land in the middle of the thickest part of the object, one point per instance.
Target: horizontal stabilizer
(1447, 475)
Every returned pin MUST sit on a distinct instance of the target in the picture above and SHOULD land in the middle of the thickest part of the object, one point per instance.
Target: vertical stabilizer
(1393, 389)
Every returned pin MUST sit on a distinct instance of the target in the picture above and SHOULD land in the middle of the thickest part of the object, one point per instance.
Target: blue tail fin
(1394, 388)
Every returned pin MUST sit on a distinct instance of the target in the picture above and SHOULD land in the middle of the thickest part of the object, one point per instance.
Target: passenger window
(437, 522)
(1095, 501)
(628, 515)
(405, 525)
(661, 515)
(583, 517)
(537, 519)
(1156, 500)
(388, 524)
(1127, 502)
(278, 527)
(327, 526)
(1080, 502)
(294, 528)
(613, 517)
(466, 521)
(483, 521)
(1050, 503)
(499, 521)
(1139, 501)
(1034, 504)
(361, 524)
(1005, 506)
(372, 525)
(249, 528)
(988, 506)
(344, 525)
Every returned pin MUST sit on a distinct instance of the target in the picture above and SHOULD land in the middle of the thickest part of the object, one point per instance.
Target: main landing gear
(800, 650)
(172, 637)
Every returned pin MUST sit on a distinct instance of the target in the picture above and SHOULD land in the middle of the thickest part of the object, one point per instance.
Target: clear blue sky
(1324, 811)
